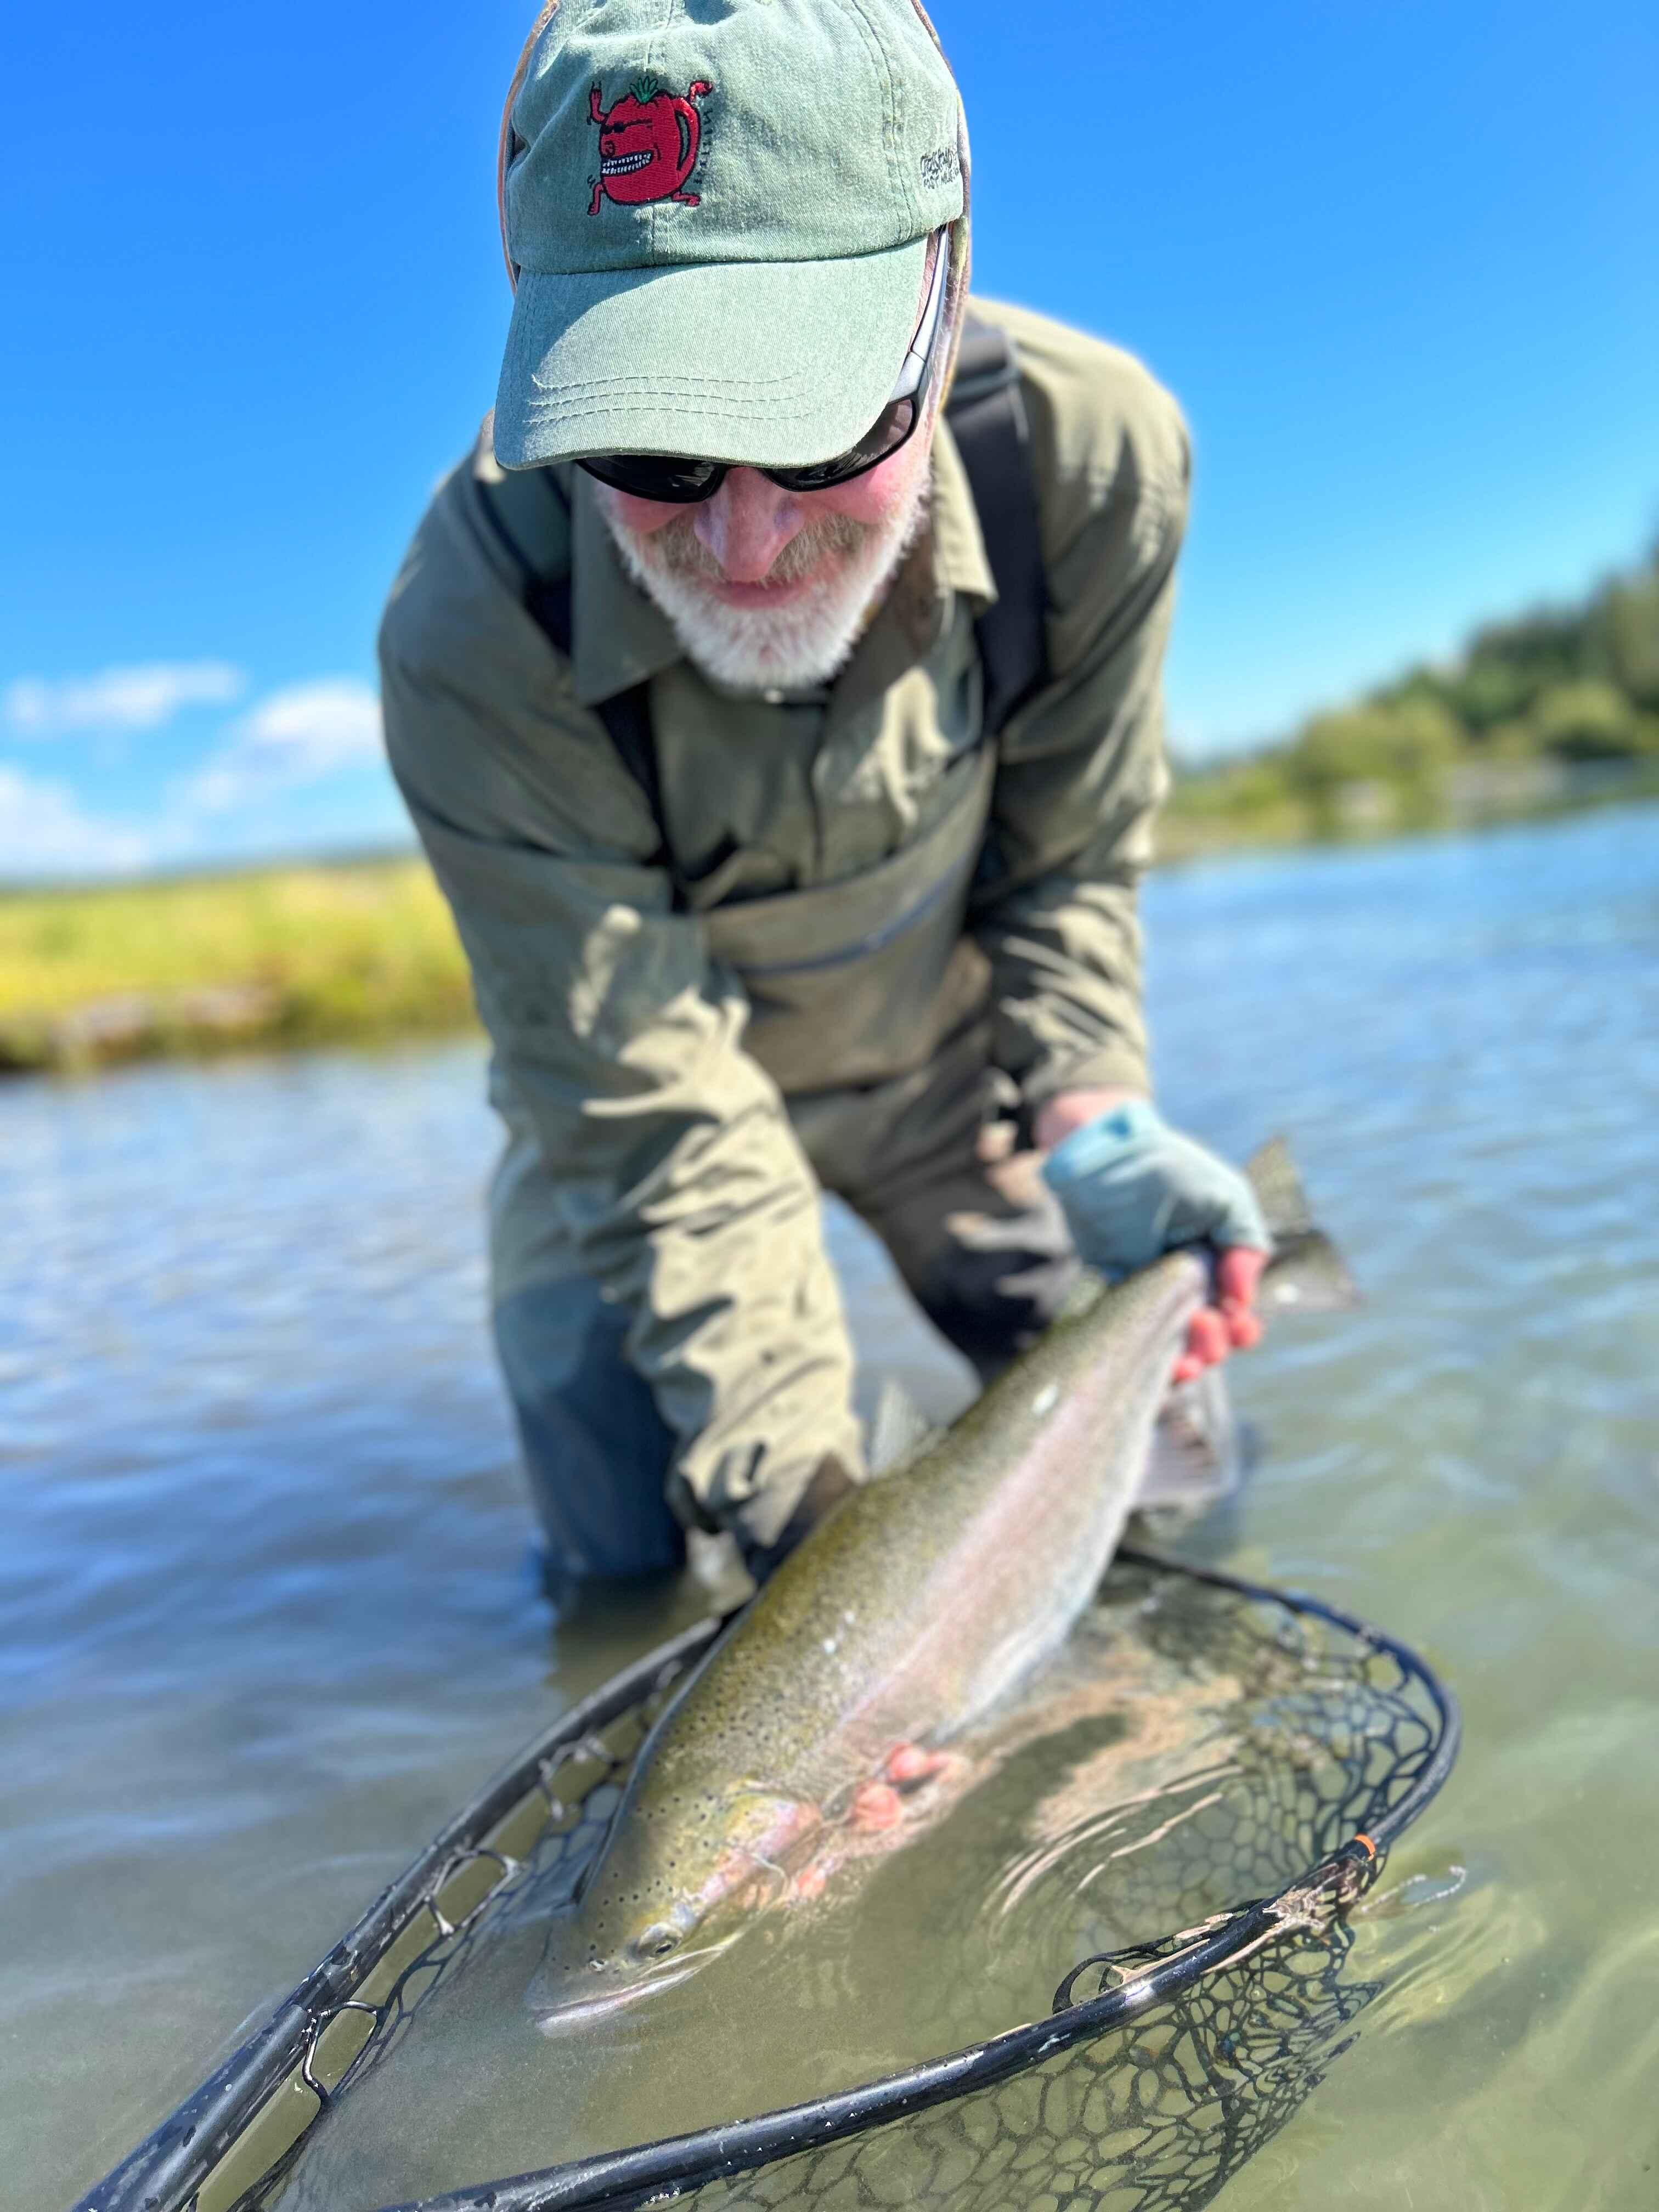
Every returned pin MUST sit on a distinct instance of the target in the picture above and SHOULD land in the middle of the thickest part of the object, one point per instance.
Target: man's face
(767, 588)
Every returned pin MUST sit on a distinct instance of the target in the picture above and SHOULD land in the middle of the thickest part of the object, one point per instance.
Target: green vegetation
(1556, 709)
(283, 955)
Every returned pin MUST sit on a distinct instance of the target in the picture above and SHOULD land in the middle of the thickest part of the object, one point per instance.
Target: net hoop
(166, 2172)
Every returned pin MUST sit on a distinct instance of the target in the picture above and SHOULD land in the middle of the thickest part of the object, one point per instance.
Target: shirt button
(772, 698)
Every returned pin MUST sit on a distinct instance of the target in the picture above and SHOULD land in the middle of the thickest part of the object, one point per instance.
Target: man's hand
(1132, 1187)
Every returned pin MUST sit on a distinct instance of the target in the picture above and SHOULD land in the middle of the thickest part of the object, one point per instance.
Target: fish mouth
(575, 2012)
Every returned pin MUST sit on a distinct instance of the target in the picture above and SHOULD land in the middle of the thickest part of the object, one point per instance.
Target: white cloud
(296, 735)
(314, 727)
(137, 698)
(253, 792)
(45, 831)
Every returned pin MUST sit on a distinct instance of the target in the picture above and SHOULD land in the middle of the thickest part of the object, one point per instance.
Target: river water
(268, 1610)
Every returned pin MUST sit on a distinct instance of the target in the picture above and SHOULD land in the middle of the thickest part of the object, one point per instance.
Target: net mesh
(1179, 2053)
(1155, 2117)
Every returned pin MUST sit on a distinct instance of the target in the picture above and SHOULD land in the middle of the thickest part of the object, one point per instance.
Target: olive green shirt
(667, 1164)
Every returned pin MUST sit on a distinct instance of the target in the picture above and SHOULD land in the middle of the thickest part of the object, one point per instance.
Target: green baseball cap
(717, 212)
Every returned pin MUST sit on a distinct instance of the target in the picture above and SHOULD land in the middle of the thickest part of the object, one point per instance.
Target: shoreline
(191, 967)
(360, 952)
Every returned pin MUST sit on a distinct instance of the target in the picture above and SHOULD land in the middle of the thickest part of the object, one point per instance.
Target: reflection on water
(269, 1613)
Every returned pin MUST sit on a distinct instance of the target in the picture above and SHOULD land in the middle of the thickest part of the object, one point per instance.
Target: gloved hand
(1131, 1188)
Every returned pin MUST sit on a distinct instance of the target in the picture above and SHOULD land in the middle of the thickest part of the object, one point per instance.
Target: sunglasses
(679, 481)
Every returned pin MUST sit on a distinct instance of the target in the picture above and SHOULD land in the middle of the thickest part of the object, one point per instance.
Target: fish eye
(657, 1942)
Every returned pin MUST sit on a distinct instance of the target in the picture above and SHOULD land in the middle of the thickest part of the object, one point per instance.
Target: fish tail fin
(1306, 1270)
(1272, 1176)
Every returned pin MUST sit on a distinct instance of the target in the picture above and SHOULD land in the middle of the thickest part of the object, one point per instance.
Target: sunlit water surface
(269, 1605)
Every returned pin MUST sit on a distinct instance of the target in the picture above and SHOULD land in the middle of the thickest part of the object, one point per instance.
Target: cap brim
(770, 363)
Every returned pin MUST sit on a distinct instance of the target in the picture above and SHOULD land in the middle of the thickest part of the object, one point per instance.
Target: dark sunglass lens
(666, 476)
(885, 435)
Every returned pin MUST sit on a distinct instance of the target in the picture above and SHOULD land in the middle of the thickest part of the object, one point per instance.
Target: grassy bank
(281, 955)
(343, 953)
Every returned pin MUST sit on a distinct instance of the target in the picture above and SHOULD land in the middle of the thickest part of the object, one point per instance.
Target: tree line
(1551, 706)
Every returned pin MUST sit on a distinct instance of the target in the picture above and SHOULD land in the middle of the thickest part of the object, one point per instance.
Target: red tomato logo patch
(649, 145)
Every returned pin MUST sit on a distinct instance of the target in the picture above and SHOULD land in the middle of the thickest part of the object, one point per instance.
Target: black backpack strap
(986, 415)
(627, 716)
(627, 719)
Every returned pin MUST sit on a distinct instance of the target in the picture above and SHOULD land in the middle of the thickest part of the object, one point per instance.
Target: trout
(828, 1711)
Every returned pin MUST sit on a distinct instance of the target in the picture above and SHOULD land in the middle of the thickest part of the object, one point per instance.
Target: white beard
(792, 648)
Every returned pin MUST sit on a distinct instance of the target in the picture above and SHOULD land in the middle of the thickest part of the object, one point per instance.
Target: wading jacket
(862, 878)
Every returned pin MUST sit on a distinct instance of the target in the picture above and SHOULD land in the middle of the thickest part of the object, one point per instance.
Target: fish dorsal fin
(898, 1428)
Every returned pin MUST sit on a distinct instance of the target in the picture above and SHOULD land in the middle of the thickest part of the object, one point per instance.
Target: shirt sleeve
(1082, 770)
(617, 1039)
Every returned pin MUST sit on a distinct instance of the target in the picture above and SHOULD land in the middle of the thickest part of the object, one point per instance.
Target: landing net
(1142, 2084)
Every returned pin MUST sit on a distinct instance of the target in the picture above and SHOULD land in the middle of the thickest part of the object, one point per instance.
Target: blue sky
(1397, 259)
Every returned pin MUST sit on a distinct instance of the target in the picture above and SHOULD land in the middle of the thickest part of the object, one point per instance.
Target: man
(685, 690)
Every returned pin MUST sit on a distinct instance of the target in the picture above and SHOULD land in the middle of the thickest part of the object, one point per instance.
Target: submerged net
(1142, 2084)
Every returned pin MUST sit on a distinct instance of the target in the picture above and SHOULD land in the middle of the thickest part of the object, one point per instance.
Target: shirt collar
(620, 637)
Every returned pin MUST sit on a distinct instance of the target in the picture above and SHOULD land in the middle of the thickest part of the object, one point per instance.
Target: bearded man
(787, 751)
